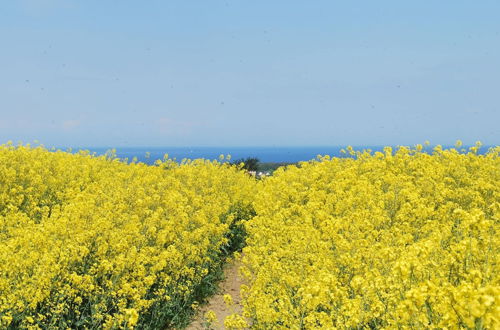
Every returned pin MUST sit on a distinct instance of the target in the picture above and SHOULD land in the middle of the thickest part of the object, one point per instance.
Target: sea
(265, 154)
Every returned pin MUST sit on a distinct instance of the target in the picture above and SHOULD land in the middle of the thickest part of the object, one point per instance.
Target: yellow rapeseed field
(394, 239)
(93, 242)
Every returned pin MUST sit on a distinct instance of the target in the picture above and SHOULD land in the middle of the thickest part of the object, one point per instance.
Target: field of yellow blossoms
(93, 242)
(394, 239)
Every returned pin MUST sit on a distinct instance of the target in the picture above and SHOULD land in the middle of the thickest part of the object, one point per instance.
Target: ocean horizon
(265, 154)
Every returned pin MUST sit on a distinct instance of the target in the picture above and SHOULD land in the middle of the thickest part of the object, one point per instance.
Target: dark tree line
(249, 164)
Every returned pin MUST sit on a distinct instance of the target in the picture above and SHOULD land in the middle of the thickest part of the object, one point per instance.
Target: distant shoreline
(264, 154)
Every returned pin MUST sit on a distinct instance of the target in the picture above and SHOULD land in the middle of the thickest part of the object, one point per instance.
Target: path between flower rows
(230, 285)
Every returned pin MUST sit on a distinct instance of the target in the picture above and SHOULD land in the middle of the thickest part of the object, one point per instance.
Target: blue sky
(243, 73)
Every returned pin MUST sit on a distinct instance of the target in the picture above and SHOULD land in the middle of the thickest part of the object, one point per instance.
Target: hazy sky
(225, 73)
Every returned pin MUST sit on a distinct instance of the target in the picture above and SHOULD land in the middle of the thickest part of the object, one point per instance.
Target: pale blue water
(264, 154)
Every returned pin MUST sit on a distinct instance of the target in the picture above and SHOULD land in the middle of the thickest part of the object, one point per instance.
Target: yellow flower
(235, 321)
(211, 317)
(95, 242)
(400, 239)
(228, 300)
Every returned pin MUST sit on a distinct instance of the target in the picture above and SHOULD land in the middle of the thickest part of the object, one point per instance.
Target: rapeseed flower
(393, 239)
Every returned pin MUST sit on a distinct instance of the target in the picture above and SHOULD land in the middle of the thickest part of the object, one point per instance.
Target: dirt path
(230, 285)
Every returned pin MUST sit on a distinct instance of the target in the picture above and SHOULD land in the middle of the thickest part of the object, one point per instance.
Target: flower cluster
(95, 242)
(394, 239)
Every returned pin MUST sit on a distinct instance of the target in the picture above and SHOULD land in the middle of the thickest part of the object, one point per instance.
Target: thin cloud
(170, 126)
(70, 125)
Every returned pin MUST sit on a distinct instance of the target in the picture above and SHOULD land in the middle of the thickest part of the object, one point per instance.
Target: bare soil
(230, 285)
